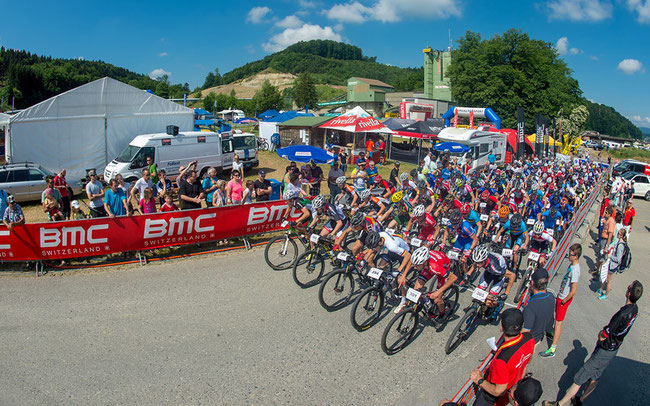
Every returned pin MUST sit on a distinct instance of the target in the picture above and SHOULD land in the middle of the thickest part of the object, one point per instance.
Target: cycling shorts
(402, 219)
(331, 225)
(515, 240)
(496, 280)
(463, 244)
(539, 246)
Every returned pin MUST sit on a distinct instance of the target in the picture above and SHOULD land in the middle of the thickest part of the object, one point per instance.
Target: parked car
(641, 184)
(26, 181)
(629, 165)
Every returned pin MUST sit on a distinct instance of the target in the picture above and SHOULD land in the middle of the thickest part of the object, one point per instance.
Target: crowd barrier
(468, 391)
(102, 236)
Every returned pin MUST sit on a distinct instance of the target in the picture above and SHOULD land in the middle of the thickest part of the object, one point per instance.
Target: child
(51, 206)
(148, 203)
(249, 193)
(77, 214)
(169, 204)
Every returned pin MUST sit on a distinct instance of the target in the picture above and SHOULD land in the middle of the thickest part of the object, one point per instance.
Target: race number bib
(343, 256)
(482, 205)
(314, 238)
(484, 217)
(374, 273)
(284, 224)
(416, 242)
(506, 252)
(550, 232)
(480, 294)
(445, 221)
(413, 295)
(390, 231)
(530, 222)
(453, 255)
(533, 256)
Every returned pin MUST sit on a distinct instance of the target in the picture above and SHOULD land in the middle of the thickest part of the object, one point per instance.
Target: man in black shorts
(609, 341)
(540, 309)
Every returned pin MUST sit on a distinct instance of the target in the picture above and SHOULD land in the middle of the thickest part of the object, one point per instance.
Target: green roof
(305, 121)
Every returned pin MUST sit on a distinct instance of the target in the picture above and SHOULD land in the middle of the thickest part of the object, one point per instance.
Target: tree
(268, 97)
(574, 125)
(305, 91)
(511, 70)
(208, 101)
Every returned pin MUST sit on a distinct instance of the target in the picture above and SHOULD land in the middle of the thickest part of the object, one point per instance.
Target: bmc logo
(176, 226)
(261, 215)
(70, 236)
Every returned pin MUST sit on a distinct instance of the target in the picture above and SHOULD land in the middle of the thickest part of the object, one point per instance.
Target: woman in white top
(238, 166)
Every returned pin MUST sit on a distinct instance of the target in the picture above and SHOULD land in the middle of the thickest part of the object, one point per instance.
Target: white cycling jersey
(394, 243)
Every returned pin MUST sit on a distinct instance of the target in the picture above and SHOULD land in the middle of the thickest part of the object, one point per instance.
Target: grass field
(629, 153)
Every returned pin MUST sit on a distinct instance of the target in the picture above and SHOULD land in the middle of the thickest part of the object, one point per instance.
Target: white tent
(88, 126)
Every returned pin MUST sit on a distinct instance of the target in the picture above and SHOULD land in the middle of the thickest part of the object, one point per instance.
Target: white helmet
(480, 253)
(538, 227)
(404, 176)
(341, 180)
(318, 202)
(290, 194)
(364, 194)
(418, 211)
(420, 256)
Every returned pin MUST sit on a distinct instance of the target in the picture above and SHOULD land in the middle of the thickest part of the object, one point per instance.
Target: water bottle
(427, 304)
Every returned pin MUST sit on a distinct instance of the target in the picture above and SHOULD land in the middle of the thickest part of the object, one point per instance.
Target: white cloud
(594, 58)
(562, 47)
(636, 118)
(580, 10)
(640, 120)
(389, 11)
(289, 22)
(256, 14)
(647, 119)
(306, 4)
(162, 54)
(630, 66)
(156, 73)
(305, 33)
(80, 58)
(642, 8)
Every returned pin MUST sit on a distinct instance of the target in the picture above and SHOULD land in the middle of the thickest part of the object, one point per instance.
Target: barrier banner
(92, 237)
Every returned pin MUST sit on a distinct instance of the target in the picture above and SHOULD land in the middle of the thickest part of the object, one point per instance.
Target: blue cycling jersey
(465, 230)
(519, 231)
(535, 208)
(549, 222)
(473, 218)
(565, 211)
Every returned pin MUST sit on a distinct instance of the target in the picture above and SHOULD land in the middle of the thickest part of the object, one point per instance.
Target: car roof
(19, 165)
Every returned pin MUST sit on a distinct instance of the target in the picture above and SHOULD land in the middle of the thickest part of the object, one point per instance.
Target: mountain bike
(281, 252)
(533, 263)
(309, 267)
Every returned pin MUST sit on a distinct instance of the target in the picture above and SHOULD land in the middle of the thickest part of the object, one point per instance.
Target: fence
(468, 391)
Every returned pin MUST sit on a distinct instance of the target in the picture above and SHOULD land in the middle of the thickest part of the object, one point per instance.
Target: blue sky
(605, 42)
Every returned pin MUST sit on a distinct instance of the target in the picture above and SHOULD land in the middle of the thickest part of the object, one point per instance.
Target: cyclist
(336, 219)
(428, 228)
(550, 218)
(539, 240)
(427, 264)
(471, 217)
(358, 222)
(292, 197)
(566, 211)
(466, 238)
(399, 212)
(496, 272)
(369, 204)
(391, 246)
(518, 235)
(348, 195)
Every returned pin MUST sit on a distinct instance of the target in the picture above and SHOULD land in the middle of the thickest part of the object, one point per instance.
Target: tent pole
(105, 140)
(419, 152)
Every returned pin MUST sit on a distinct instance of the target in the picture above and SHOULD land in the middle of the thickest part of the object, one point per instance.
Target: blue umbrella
(305, 153)
(453, 147)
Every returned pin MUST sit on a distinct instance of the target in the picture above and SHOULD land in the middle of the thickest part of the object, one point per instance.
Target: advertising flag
(520, 132)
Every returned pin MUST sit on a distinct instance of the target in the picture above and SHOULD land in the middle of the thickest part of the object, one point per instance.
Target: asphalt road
(225, 329)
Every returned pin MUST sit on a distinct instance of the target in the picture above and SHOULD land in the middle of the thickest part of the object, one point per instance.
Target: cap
(528, 391)
(92, 172)
(362, 153)
(397, 163)
(262, 172)
(540, 274)
(11, 199)
(75, 204)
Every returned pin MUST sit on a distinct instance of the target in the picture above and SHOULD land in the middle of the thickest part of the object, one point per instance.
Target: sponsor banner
(92, 237)
(471, 119)
(521, 143)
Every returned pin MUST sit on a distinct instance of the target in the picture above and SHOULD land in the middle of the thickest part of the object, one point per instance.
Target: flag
(520, 132)
(539, 135)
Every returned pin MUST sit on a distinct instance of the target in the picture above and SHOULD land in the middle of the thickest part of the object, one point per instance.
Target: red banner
(92, 237)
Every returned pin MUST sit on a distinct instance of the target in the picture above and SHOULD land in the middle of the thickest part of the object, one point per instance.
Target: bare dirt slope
(246, 88)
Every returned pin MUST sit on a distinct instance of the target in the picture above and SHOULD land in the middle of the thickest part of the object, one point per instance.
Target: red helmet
(484, 195)
(465, 209)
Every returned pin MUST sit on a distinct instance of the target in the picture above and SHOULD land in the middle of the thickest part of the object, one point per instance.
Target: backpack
(626, 259)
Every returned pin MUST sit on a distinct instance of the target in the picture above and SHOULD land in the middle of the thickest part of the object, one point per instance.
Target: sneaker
(399, 308)
(547, 354)
(599, 292)
(602, 297)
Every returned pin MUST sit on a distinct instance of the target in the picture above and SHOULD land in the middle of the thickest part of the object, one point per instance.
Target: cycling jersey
(438, 265)
(517, 232)
(535, 208)
(370, 224)
(473, 218)
(565, 211)
(549, 222)
(465, 230)
(544, 237)
(428, 228)
(333, 213)
(394, 244)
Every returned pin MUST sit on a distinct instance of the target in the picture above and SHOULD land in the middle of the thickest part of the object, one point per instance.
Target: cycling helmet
(418, 211)
(403, 176)
(518, 194)
(290, 194)
(422, 184)
(484, 195)
(341, 180)
(553, 211)
(480, 253)
(455, 218)
(465, 209)
(449, 199)
(397, 196)
(538, 227)
(364, 194)
(318, 202)
(564, 200)
(372, 239)
(414, 173)
(420, 256)
(459, 182)
(378, 178)
(515, 221)
(357, 219)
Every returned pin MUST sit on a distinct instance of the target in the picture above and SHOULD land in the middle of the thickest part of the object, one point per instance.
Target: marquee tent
(356, 120)
(88, 126)
(270, 127)
(395, 123)
(421, 129)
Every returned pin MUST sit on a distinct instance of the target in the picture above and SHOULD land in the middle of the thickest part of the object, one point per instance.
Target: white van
(481, 143)
(169, 152)
(245, 146)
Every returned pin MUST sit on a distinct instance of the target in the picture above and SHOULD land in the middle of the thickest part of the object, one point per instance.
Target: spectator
(468, 166)
(610, 339)
(361, 161)
(628, 220)
(334, 173)
(526, 392)
(628, 194)
(605, 238)
(238, 166)
(360, 180)
(61, 185)
(604, 204)
(163, 186)
(317, 177)
(3, 201)
(394, 175)
(382, 151)
(292, 168)
(183, 170)
(371, 171)
(306, 179)
(427, 160)
(126, 187)
(190, 192)
(343, 158)
(169, 204)
(210, 185)
(538, 313)
(568, 289)
(13, 215)
(95, 193)
(263, 187)
(294, 183)
(249, 192)
(76, 213)
(234, 189)
(615, 257)
(153, 170)
(148, 203)
(141, 184)
(51, 206)
(115, 202)
(370, 146)
(220, 197)
(509, 363)
(49, 180)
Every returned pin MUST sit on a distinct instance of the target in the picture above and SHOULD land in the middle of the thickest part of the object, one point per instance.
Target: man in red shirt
(629, 218)
(62, 186)
(509, 363)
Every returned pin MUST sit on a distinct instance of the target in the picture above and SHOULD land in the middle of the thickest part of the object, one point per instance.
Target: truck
(245, 146)
(480, 142)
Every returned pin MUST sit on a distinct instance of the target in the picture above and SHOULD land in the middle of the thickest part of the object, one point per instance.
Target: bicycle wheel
(523, 284)
(336, 290)
(450, 297)
(308, 268)
(462, 330)
(281, 252)
(399, 331)
(367, 308)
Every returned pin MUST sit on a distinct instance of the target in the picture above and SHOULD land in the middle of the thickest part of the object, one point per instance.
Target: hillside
(645, 130)
(328, 62)
(606, 120)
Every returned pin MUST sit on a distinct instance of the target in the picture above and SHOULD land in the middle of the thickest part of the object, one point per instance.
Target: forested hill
(31, 78)
(328, 62)
(608, 121)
